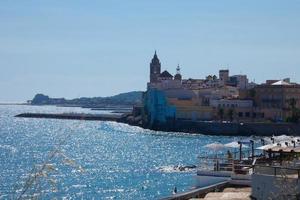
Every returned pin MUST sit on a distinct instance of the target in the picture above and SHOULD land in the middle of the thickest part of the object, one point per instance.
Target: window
(240, 114)
(247, 114)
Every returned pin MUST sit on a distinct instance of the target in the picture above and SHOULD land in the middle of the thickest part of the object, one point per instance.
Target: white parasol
(266, 147)
(235, 144)
(215, 146)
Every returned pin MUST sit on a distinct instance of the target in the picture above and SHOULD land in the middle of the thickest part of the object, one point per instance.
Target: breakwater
(206, 128)
(230, 128)
(74, 116)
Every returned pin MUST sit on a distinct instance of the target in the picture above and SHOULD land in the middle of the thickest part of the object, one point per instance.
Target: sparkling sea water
(93, 159)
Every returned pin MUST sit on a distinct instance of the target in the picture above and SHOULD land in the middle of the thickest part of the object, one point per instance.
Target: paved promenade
(228, 194)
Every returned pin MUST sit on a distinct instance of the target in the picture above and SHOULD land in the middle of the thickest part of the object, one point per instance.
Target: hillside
(126, 99)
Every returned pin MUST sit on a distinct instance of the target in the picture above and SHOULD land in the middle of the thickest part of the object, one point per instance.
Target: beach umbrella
(282, 138)
(267, 140)
(266, 147)
(246, 140)
(235, 144)
(277, 148)
(297, 149)
(288, 149)
(216, 146)
(296, 139)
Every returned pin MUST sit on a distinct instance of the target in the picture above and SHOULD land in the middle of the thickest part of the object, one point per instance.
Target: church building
(163, 80)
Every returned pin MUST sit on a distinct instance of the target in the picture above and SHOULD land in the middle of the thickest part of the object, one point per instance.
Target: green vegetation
(221, 113)
(129, 98)
(295, 112)
(252, 93)
(230, 113)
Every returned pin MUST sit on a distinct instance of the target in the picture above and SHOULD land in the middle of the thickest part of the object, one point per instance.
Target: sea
(74, 159)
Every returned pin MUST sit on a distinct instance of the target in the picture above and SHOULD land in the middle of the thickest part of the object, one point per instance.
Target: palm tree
(292, 102)
(230, 113)
(252, 93)
(221, 113)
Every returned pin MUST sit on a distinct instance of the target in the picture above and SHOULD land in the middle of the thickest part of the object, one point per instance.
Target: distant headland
(124, 99)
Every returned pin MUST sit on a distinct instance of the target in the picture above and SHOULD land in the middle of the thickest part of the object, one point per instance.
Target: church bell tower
(155, 69)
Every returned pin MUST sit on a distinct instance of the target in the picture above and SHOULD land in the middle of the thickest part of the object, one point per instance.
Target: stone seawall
(207, 128)
(73, 116)
(230, 129)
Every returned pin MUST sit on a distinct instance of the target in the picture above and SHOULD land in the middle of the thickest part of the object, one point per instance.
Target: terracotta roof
(165, 74)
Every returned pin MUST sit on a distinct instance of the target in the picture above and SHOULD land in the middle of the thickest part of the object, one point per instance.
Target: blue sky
(100, 48)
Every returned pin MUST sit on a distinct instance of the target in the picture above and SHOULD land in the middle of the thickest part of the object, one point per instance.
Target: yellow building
(188, 106)
(277, 99)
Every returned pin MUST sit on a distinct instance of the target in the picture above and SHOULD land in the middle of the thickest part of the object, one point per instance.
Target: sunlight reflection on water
(118, 161)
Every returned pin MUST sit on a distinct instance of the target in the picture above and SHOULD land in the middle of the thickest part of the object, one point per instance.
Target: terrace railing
(279, 171)
(225, 164)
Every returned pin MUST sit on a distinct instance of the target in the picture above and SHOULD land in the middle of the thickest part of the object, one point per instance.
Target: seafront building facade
(224, 97)
(277, 100)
